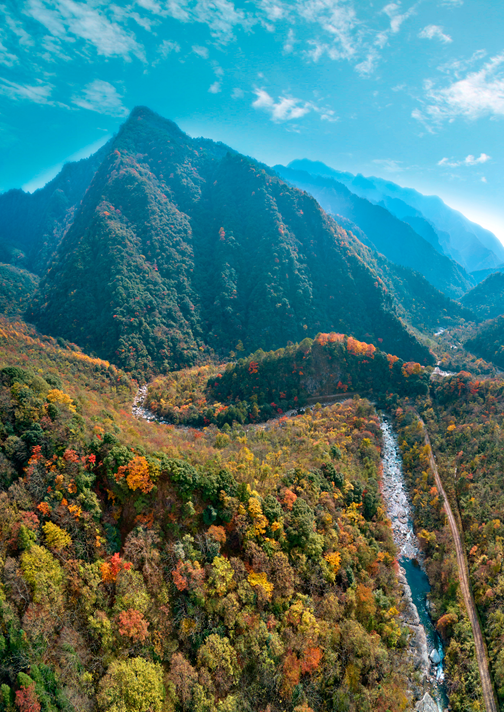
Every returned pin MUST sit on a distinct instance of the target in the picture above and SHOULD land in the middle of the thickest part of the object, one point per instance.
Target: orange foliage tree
(133, 625)
(137, 474)
(110, 569)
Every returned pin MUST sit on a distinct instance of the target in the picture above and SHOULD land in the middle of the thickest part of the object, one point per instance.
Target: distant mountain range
(383, 231)
(469, 244)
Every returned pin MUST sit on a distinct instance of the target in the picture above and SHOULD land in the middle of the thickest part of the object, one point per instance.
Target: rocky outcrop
(426, 704)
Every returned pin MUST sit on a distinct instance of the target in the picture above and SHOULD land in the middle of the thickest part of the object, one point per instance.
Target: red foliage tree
(27, 700)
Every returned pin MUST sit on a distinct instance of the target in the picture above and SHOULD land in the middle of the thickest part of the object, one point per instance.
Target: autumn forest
(196, 361)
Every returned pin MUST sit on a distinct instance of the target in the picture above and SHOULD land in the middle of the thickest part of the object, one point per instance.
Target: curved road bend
(481, 651)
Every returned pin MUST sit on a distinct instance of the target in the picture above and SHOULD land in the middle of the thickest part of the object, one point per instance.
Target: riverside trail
(479, 642)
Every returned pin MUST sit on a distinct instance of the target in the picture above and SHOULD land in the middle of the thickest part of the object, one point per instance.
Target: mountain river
(426, 646)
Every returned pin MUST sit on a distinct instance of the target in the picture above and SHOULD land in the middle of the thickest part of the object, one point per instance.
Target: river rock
(435, 657)
(426, 704)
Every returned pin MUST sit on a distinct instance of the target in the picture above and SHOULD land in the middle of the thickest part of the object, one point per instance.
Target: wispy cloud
(288, 108)
(38, 94)
(338, 20)
(200, 51)
(476, 95)
(221, 16)
(469, 160)
(389, 165)
(7, 58)
(67, 20)
(102, 97)
(285, 109)
(434, 32)
(167, 47)
(393, 10)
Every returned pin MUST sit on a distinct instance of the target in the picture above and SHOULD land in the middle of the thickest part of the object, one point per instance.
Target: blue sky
(409, 91)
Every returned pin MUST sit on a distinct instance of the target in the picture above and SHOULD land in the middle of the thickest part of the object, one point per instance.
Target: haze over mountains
(474, 247)
(384, 232)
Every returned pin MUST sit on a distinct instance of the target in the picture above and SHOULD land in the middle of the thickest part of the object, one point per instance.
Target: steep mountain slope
(180, 244)
(416, 300)
(394, 238)
(487, 298)
(32, 224)
(471, 245)
(488, 342)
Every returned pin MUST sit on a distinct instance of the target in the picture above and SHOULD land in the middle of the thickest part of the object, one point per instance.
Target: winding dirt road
(481, 651)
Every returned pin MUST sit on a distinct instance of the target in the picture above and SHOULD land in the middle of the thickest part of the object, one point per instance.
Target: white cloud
(221, 16)
(337, 18)
(289, 43)
(67, 19)
(273, 9)
(215, 88)
(469, 160)
(200, 51)
(478, 94)
(167, 47)
(237, 93)
(434, 32)
(38, 94)
(285, 109)
(102, 97)
(396, 17)
(368, 66)
(483, 179)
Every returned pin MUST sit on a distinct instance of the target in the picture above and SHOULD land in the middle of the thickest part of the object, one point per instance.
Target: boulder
(426, 704)
(435, 657)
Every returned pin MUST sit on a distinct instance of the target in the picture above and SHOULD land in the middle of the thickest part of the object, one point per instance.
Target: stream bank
(425, 645)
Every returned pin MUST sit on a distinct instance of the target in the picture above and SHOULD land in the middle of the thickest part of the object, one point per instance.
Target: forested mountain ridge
(487, 298)
(468, 243)
(181, 244)
(387, 234)
(33, 224)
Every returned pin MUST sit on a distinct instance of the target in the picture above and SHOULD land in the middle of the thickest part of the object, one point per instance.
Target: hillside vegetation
(17, 287)
(148, 567)
(488, 342)
(265, 385)
(486, 300)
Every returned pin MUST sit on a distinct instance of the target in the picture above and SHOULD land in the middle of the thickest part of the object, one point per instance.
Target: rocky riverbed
(425, 647)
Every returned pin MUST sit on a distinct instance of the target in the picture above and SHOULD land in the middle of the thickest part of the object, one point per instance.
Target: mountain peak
(143, 113)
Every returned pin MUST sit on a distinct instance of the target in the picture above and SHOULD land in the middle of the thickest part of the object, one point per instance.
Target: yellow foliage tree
(56, 538)
(261, 579)
(57, 396)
